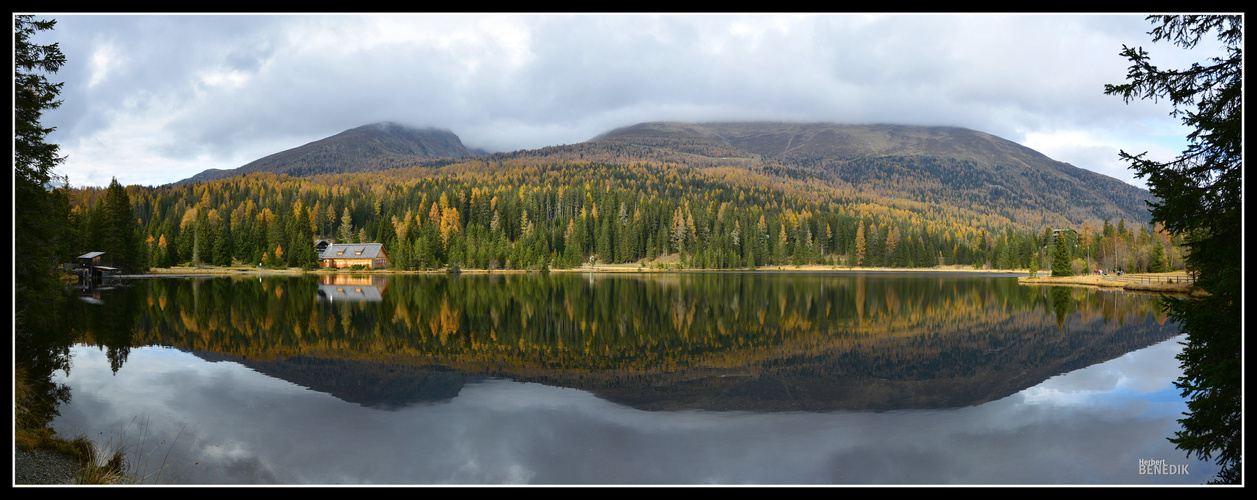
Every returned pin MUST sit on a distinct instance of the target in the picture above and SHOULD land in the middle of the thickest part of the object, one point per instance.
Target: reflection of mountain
(723, 341)
(375, 385)
(890, 374)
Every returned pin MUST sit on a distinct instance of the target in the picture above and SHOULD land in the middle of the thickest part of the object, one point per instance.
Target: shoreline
(1022, 278)
(1106, 282)
(190, 271)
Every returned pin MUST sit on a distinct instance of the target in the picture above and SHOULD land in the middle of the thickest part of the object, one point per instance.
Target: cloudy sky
(153, 99)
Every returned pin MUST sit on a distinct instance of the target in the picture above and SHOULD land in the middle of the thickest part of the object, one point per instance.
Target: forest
(557, 209)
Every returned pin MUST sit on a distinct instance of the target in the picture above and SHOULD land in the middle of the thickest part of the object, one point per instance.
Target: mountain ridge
(886, 160)
(375, 146)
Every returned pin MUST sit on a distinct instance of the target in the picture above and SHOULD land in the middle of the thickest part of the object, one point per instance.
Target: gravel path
(43, 467)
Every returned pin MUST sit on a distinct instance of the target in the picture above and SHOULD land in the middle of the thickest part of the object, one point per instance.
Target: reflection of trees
(661, 333)
(110, 324)
(41, 349)
(1062, 303)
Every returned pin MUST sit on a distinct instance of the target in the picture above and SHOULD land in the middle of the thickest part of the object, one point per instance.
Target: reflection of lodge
(354, 288)
(93, 298)
(367, 255)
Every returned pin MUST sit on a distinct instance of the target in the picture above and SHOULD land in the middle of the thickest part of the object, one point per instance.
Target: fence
(1140, 278)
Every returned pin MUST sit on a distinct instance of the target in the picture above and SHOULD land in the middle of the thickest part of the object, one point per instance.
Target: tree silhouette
(1201, 198)
(35, 232)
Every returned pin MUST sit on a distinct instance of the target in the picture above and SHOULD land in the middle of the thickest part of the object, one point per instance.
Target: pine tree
(203, 238)
(1061, 257)
(222, 244)
(1156, 262)
(33, 162)
(119, 232)
(1201, 198)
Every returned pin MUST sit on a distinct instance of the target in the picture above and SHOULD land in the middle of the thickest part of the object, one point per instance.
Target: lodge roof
(352, 251)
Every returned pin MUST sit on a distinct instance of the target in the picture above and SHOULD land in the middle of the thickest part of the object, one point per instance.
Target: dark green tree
(222, 243)
(203, 238)
(1061, 257)
(1156, 262)
(34, 159)
(1201, 198)
(119, 232)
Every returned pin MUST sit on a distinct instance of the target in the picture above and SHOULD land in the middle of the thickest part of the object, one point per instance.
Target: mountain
(377, 146)
(894, 161)
(776, 141)
(958, 167)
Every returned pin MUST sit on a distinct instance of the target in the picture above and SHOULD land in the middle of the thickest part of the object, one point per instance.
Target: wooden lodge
(90, 259)
(368, 255)
(89, 267)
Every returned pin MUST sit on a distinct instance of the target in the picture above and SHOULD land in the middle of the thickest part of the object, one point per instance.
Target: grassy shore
(1128, 282)
(1156, 282)
(597, 268)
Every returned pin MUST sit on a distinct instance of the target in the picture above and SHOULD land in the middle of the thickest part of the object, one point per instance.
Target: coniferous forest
(671, 201)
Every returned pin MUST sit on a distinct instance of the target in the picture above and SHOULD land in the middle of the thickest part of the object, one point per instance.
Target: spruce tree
(1156, 263)
(119, 232)
(33, 162)
(222, 244)
(1061, 257)
(1201, 197)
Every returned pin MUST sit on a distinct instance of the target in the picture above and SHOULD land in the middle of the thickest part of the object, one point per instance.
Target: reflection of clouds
(1154, 368)
(1074, 388)
(243, 427)
(1149, 370)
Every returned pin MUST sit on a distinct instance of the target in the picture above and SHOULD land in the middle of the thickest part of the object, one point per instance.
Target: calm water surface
(718, 378)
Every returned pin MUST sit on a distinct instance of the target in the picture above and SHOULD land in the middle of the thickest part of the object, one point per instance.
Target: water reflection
(710, 341)
(368, 288)
(560, 378)
(1089, 426)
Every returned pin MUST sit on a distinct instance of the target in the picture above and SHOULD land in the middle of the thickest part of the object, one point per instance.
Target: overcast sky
(154, 99)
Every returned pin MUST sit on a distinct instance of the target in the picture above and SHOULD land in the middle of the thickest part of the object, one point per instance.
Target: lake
(572, 378)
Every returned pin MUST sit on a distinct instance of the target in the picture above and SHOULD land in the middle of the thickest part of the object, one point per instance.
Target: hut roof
(352, 251)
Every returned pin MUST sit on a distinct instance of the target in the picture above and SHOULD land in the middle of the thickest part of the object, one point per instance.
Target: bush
(1079, 267)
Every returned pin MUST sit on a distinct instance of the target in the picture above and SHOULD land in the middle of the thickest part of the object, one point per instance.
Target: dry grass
(107, 467)
(1089, 280)
(1108, 282)
(126, 462)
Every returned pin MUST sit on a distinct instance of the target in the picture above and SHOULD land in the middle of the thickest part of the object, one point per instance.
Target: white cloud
(220, 91)
(105, 60)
